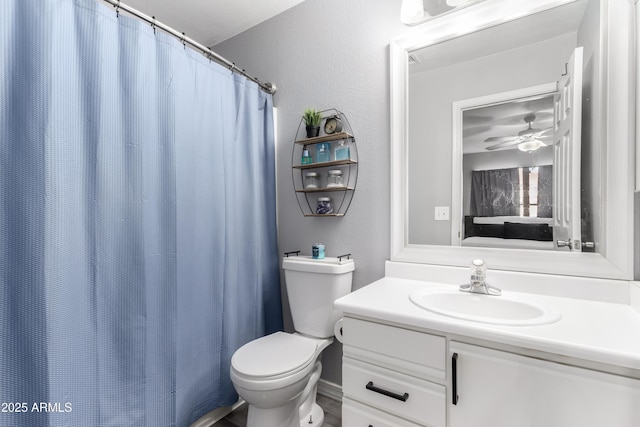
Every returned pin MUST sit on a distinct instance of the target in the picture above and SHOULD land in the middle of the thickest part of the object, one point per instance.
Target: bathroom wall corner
(330, 390)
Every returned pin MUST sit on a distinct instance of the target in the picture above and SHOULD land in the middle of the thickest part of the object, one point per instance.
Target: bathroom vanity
(404, 365)
(559, 348)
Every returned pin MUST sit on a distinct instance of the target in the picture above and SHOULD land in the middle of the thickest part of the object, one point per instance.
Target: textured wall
(331, 54)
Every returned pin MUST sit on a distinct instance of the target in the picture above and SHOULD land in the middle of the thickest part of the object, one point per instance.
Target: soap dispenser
(306, 157)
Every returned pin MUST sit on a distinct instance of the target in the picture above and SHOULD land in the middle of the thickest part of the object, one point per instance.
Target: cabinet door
(499, 389)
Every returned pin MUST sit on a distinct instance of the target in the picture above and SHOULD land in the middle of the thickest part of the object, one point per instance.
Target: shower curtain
(137, 220)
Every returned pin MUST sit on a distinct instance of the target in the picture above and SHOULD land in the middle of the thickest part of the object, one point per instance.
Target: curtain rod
(267, 87)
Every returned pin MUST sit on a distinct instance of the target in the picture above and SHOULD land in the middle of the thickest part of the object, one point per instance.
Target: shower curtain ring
(118, 9)
(153, 24)
(184, 40)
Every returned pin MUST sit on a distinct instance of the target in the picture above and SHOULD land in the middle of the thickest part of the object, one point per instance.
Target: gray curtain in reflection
(495, 192)
(545, 191)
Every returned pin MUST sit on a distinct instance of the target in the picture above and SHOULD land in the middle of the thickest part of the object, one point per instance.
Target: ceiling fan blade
(501, 138)
(504, 144)
(543, 132)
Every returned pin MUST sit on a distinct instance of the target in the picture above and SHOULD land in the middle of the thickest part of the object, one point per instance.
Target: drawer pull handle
(454, 378)
(402, 397)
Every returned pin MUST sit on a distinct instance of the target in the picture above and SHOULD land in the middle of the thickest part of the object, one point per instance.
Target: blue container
(317, 251)
(324, 206)
(342, 152)
(323, 152)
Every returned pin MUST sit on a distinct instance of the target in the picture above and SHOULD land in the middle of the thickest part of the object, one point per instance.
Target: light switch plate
(442, 213)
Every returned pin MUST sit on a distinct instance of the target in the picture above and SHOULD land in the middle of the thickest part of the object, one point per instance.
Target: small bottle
(342, 151)
(334, 178)
(306, 157)
(324, 206)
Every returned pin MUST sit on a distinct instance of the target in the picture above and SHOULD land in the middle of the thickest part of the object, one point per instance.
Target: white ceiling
(506, 119)
(210, 22)
(509, 35)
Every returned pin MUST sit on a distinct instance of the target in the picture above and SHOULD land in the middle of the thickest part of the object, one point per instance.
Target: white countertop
(594, 331)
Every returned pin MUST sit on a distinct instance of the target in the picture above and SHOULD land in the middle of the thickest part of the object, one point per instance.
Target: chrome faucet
(478, 283)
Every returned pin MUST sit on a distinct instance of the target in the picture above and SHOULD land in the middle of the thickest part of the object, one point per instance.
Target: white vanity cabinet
(581, 371)
(399, 377)
(392, 377)
(500, 389)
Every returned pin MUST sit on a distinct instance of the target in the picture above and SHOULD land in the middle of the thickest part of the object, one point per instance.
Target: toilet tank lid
(328, 265)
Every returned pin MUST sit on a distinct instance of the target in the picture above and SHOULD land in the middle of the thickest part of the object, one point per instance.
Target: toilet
(277, 375)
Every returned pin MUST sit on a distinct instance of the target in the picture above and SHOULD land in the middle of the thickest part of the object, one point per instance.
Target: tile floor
(332, 414)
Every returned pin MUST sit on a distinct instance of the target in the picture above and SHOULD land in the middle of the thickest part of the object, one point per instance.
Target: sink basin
(509, 309)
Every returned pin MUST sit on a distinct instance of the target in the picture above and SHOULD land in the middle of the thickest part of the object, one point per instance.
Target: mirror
(491, 88)
(457, 71)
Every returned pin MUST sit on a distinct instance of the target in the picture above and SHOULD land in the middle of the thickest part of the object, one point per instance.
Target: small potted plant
(312, 120)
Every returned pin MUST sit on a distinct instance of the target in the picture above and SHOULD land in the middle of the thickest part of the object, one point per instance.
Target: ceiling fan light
(531, 145)
(411, 11)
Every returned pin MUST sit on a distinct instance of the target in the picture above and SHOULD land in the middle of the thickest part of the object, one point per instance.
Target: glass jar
(324, 206)
(311, 180)
(334, 178)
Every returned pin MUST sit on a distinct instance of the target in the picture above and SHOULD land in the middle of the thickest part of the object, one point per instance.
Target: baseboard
(330, 390)
(210, 418)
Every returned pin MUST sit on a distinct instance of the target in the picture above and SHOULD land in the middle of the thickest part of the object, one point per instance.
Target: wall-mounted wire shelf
(347, 164)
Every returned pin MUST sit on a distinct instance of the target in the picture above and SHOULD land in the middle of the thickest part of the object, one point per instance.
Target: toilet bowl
(277, 375)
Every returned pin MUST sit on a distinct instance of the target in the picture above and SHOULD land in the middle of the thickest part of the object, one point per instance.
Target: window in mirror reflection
(522, 191)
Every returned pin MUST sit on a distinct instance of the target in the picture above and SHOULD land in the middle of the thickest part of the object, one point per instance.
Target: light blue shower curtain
(137, 220)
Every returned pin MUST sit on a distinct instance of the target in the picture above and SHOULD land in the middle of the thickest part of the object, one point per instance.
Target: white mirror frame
(614, 257)
(637, 62)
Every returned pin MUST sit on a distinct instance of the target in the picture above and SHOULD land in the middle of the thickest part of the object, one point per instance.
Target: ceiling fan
(529, 139)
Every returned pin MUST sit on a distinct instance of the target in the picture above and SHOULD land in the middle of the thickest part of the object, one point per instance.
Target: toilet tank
(312, 287)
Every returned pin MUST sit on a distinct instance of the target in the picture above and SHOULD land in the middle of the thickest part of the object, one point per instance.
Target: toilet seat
(274, 356)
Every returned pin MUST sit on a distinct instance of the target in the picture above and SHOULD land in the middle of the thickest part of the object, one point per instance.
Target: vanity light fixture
(414, 12)
(411, 11)
(531, 145)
